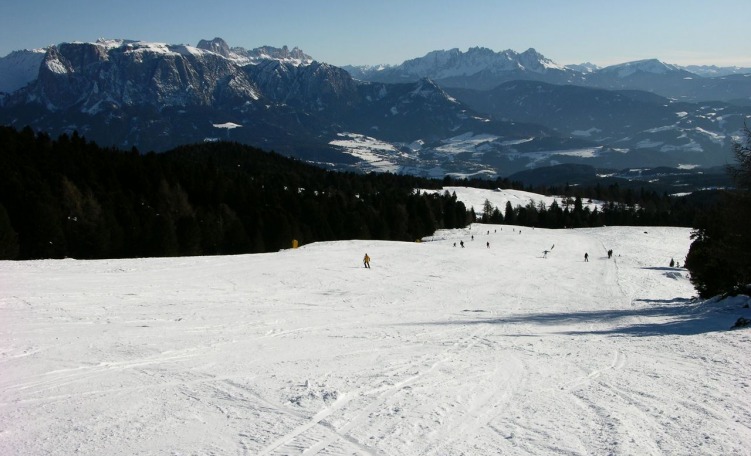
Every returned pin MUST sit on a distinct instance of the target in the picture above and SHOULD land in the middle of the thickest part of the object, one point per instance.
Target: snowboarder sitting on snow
(366, 261)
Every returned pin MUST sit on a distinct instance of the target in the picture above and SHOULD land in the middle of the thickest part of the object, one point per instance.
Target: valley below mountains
(467, 114)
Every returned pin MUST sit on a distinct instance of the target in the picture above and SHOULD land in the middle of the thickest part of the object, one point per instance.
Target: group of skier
(366, 259)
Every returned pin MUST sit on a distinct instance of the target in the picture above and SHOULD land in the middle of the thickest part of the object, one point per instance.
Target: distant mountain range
(478, 112)
(483, 69)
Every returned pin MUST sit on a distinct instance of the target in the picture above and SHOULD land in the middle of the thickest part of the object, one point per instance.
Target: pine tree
(8, 237)
(487, 211)
(720, 256)
(509, 215)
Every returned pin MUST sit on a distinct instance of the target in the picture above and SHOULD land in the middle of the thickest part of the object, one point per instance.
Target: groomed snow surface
(436, 350)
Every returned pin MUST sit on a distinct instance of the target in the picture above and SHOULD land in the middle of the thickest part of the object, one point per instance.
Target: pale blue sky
(358, 32)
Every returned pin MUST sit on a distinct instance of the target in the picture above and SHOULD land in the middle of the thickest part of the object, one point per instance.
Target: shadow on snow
(657, 317)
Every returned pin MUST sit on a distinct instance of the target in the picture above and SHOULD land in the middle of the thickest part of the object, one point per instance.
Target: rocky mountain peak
(586, 67)
(217, 45)
(296, 55)
(19, 68)
(534, 61)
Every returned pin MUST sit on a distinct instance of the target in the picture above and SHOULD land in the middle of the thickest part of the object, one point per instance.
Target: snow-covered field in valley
(436, 350)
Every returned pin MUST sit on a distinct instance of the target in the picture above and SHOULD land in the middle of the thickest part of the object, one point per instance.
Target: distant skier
(672, 263)
(586, 257)
(366, 261)
(545, 252)
(610, 253)
(461, 243)
(488, 244)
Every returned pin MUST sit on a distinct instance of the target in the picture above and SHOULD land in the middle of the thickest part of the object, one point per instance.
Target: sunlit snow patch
(467, 142)
(536, 157)
(476, 198)
(377, 154)
(714, 137)
(227, 125)
(585, 133)
(56, 66)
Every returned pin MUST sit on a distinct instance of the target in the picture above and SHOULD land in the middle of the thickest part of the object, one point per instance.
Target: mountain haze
(479, 68)
(482, 69)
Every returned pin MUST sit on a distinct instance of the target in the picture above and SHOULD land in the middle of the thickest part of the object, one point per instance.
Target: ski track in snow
(436, 350)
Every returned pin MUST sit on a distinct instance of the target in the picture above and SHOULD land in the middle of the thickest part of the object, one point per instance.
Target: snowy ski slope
(436, 350)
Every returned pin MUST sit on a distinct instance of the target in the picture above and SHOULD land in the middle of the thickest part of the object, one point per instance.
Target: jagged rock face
(217, 45)
(317, 86)
(65, 75)
(242, 56)
(272, 53)
(88, 77)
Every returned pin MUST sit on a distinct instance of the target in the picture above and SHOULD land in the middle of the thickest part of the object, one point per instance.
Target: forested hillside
(623, 203)
(68, 197)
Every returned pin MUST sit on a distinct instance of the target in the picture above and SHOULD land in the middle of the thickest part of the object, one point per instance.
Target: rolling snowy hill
(475, 198)
(436, 350)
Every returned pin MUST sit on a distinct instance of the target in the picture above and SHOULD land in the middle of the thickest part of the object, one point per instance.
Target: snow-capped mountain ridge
(586, 67)
(81, 76)
(714, 70)
(111, 42)
(483, 69)
(126, 72)
(443, 64)
(19, 68)
(243, 56)
(653, 66)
